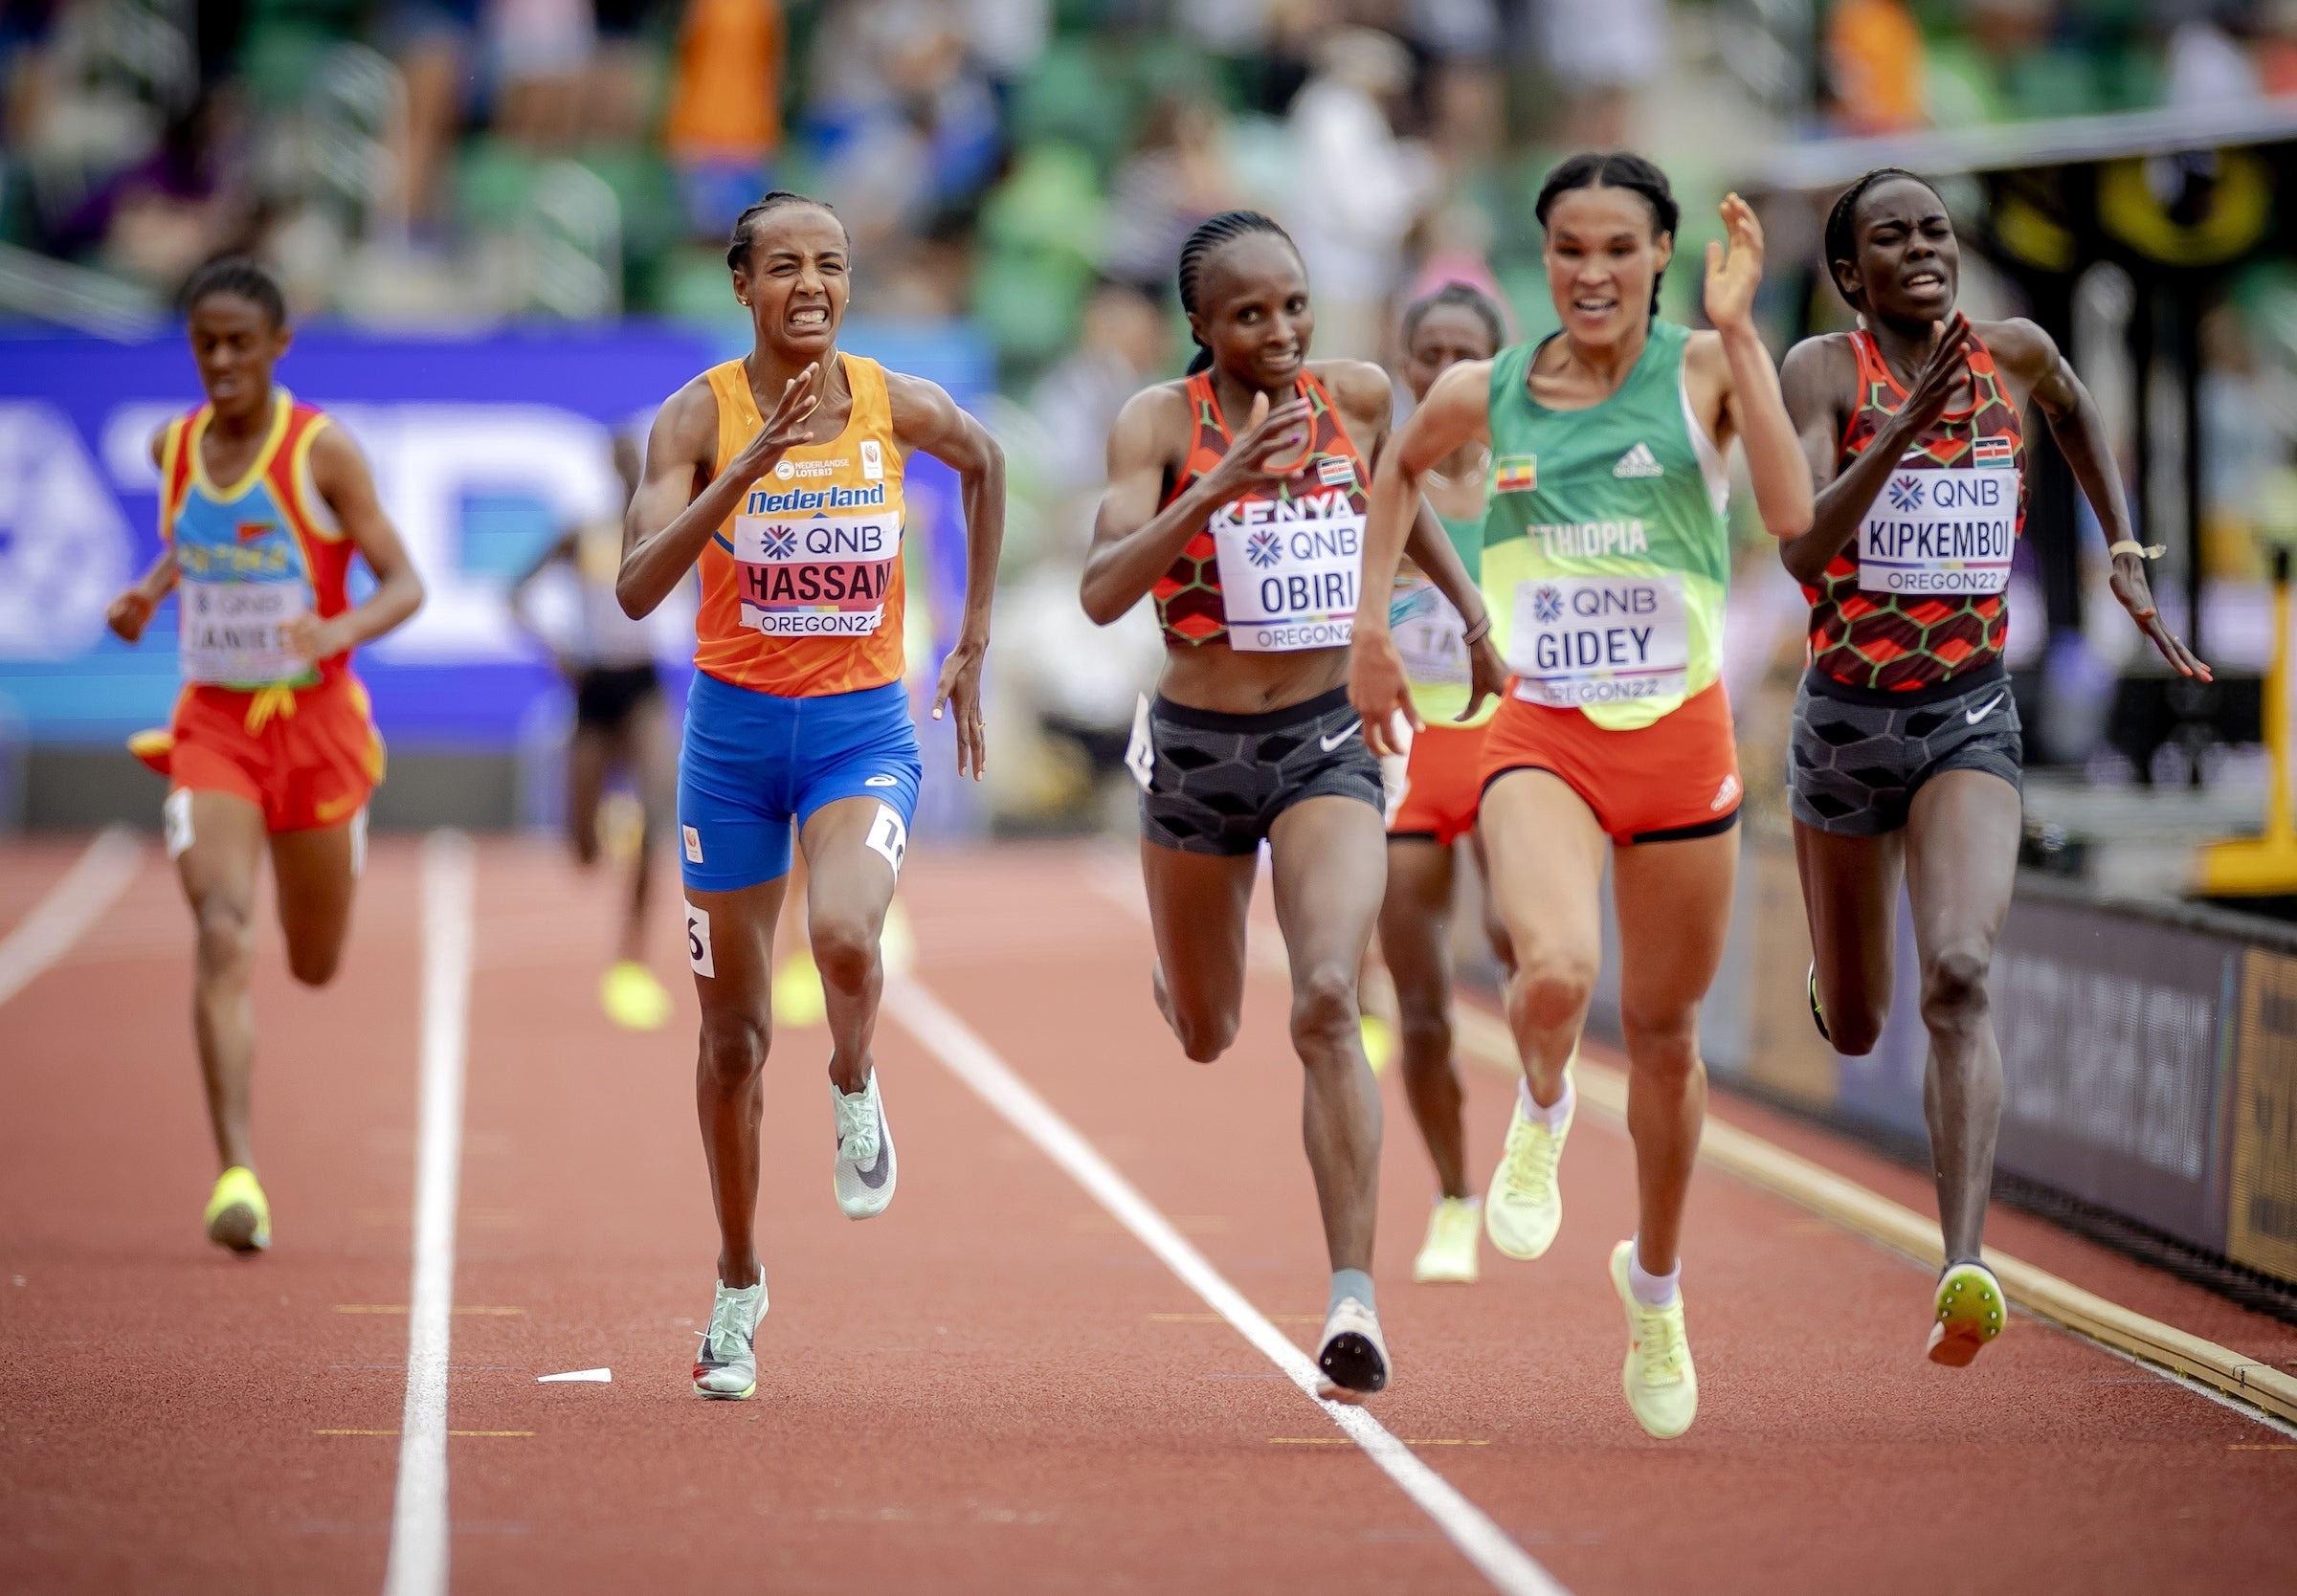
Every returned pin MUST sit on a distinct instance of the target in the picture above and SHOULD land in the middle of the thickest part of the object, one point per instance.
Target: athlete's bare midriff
(1212, 676)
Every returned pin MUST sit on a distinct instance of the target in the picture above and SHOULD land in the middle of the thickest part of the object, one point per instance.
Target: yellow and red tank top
(1276, 570)
(801, 586)
(1917, 600)
(253, 555)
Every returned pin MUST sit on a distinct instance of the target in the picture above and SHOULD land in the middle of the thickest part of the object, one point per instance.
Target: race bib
(1583, 641)
(1290, 584)
(1429, 633)
(235, 632)
(819, 577)
(1932, 531)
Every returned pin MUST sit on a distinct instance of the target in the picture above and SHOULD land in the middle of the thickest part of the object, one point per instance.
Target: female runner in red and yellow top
(269, 742)
(1236, 504)
(780, 474)
(1906, 748)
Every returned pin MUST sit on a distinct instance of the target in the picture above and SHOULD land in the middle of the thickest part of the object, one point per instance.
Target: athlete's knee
(1425, 1032)
(845, 948)
(1325, 1014)
(1953, 990)
(733, 1048)
(227, 934)
(1663, 1042)
(1554, 986)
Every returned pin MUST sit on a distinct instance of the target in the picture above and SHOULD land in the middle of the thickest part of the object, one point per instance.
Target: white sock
(1552, 1114)
(1652, 1291)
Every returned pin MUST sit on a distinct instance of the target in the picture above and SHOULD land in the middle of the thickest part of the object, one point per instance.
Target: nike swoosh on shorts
(1328, 743)
(1972, 717)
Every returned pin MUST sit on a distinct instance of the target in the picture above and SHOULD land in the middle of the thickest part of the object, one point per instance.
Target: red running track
(992, 1388)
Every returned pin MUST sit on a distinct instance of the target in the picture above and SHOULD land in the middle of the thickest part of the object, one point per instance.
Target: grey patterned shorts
(1854, 765)
(1213, 784)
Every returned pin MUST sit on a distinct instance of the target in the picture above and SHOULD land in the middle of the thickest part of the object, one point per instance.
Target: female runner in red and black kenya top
(1905, 748)
(1235, 499)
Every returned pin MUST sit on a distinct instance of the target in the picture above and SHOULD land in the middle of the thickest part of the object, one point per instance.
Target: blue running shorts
(752, 764)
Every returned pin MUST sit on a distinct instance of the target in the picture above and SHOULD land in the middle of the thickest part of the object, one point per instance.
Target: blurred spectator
(615, 95)
(436, 44)
(1602, 50)
(1874, 61)
(2206, 66)
(1357, 187)
(1120, 351)
(724, 128)
(541, 51)
(1007, 35)
(1177, 175)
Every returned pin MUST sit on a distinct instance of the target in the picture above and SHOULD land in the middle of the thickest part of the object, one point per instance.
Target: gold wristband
(2131, 546)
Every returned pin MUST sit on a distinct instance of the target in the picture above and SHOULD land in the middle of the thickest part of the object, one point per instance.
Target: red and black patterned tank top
(1916, 642)
(1188, 605)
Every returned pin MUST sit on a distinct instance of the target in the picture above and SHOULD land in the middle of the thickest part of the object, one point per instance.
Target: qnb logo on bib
(825, 577)
(1289, 570)
(1940, 531)
(1583, 641)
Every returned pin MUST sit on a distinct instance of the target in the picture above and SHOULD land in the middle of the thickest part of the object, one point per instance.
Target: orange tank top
(801, 586)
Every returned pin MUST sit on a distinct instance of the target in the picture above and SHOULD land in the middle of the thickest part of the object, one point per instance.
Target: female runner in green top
(1605, 555)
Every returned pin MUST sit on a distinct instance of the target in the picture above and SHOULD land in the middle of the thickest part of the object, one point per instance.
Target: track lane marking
(2250, 1386)
(418, 1515)
(67, 910)
(1508, 1568)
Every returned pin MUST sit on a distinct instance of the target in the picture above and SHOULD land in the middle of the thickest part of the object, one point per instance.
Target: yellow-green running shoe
(1522, 1207)
(798, 999)
(238, 1215)
(633, 998)
(1379, 1042)
(1454, 1232)
(1970, 1313)
(1662, 1387)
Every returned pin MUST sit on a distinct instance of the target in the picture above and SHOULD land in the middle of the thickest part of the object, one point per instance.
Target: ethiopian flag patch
(1515, 473)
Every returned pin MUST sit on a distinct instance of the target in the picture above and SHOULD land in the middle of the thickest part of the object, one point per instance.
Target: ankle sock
(1551, 1115)
(1652, 1291)
(1350, 1282)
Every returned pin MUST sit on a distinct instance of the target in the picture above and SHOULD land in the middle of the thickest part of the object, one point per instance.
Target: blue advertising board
(483, 449)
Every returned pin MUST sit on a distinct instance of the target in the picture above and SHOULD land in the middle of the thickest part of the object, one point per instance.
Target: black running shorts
(606, 695)
(1213, 784)
(1857, 760)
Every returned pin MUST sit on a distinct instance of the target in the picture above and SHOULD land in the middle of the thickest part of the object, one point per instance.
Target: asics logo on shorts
(1328, 743)
(1972, 717)
(883, 780)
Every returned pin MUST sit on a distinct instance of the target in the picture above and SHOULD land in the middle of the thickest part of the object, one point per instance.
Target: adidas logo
(1638, 461)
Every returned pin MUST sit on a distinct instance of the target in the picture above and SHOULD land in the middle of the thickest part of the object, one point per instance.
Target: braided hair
(1468, 297)
(238, 275)
(1213, 234)
(1617, 168)
(1841, 222)
(737, 248)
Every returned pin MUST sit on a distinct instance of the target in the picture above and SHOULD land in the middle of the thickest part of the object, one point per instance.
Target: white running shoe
(865, 1166)
(727, 1367)
(1454, 1232)
(1523, 1207)
(1352, 1354)
(1662, 1387)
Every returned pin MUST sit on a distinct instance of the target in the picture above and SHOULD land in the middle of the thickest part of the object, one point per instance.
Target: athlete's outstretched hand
(2130, 587)
(1378, 690)
(1268, 449)
(1734, 271)
(960, 685)
(1486, 675)
(785, 429)
(1935, 382)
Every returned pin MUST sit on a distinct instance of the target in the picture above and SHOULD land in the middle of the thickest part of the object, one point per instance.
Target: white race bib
(235, 632)
(1583, 641)
(1288, 585)
(819, 576)
(1429, 633)
(1940, 531)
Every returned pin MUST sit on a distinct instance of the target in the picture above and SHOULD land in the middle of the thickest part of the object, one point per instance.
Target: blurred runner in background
(619, 730)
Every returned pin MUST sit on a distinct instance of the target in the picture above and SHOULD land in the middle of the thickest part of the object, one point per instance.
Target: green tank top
(1430, 634)
(1606, 555)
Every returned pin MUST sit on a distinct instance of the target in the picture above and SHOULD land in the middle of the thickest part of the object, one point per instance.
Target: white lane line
(1506, 1565)
(75, 902)
(419, 1514)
